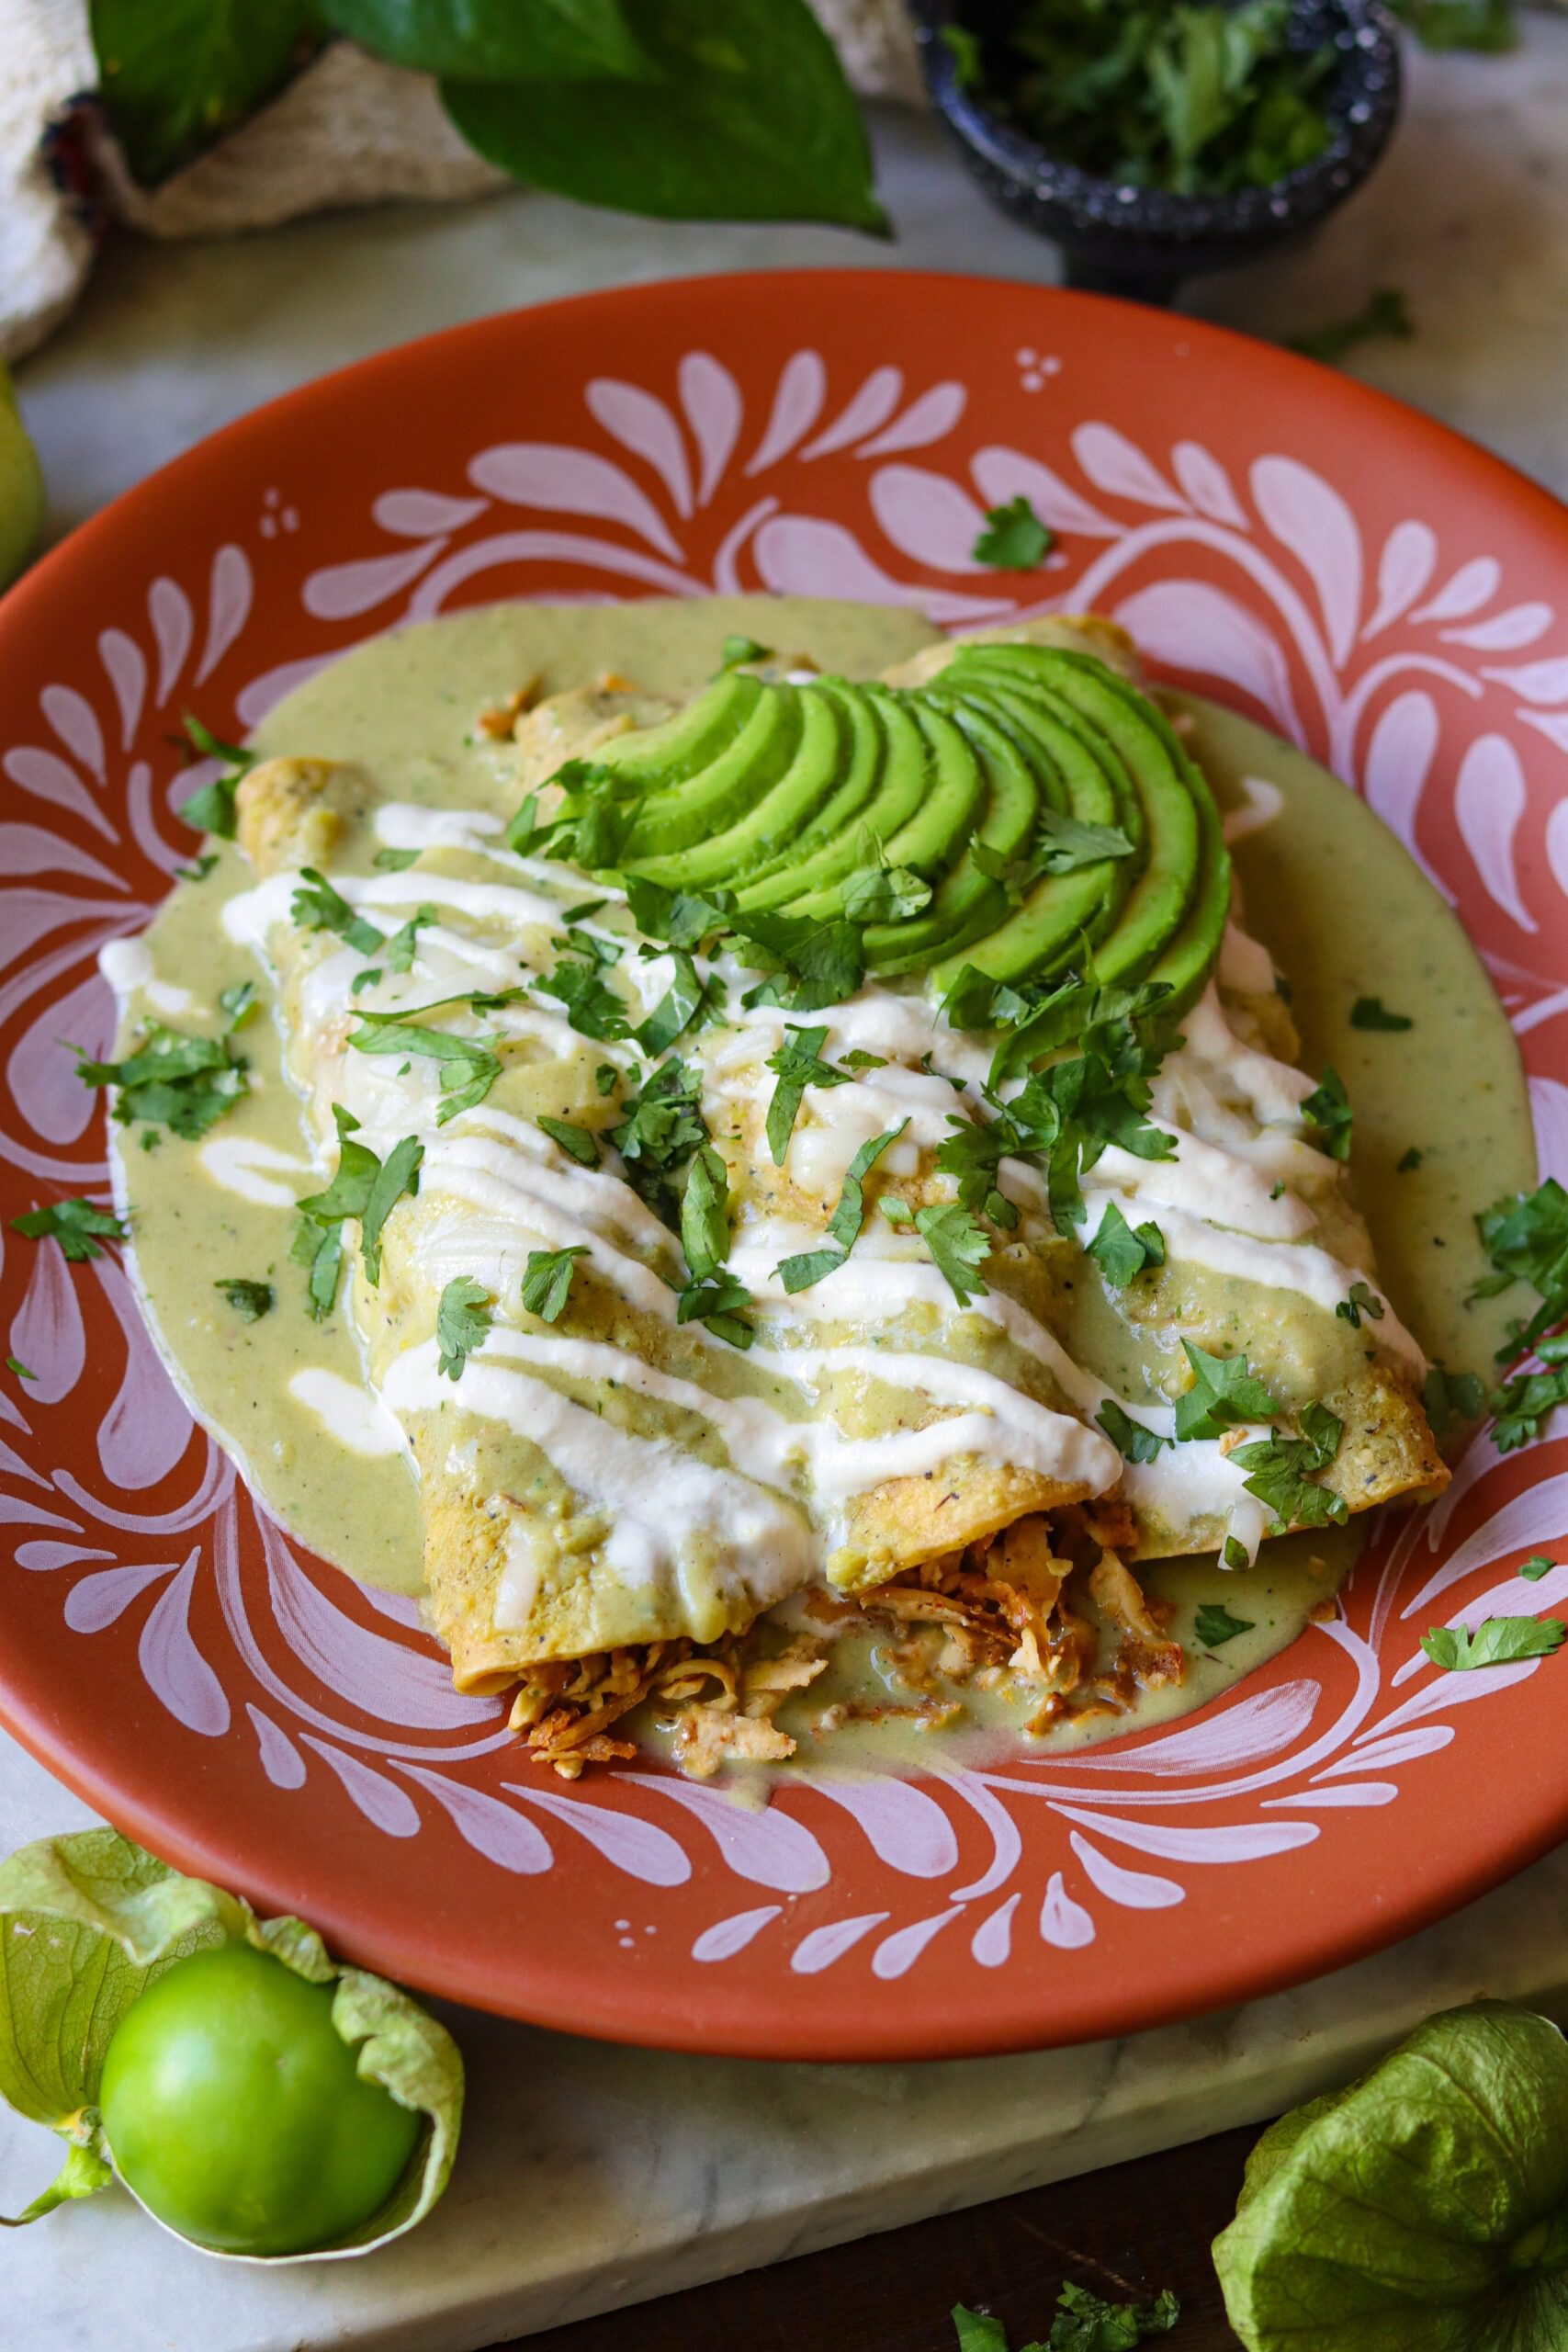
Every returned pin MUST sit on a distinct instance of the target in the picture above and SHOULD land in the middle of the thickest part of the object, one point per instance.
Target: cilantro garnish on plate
(547, 1279)
(172, 1081)
(798, 1064)
(1131, 1438)
(845, 1226)
(1224, 1395)
(1121, 1251)
(1215, 1624)
(1497, 1641)
(73, 1223)
(249, 1300)
(212, 808)
(1014, 539)
(462, 1323)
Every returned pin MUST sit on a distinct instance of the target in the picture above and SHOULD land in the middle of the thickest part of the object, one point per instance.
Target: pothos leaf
(88, 1922)
(497, 40)
(1420, 2206)
(175, 77)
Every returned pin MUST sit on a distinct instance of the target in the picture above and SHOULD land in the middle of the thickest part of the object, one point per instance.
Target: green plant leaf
(1422, 2207)
(88, 1922)
(1014, 539)
(462, 1321)
(176, 74)
(497, 40)
(754, 122)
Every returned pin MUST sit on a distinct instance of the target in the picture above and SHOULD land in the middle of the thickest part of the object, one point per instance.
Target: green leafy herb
(578, 1143)
(397, 1174)
(249, 1300)
(73, 1223)
(1224, 1395)
(898, 1212)
(1408, 1161)
(719, 1301)
(14, 1364)
(1489, 27)
(752, 120)
(738, 650)
(1199, 99)
(1385, 315)
(681, 918)
(885, 894)
(401, 945)
(606, 1077)
(199, 870)
(845, 1226)
(497, 40)
(1537, 1566)
(468, 1065)
(362, 1186)
(1363, 1300)
(239, 1001)
(1330, 1112)
(1371, 1012)
(522, 828)
(959, 1246)
(172, 1081)
(548, 1278)
(689, 1002)
(1121, 1251)
(662, 1128)
(1497, 1641)
(1279, 1471)
(1232, 1552)
(1449, 1396)
(1014, 539)
(796, 1064)
(1061, 846)
(462, 1321)
(1526, 1237)
(1215, 1624)
(1422, 2205)
(1084, 2321)
(396, 861)
(1521, 1405)
(1130, 1438)
(320, 907)
(704, 1214)
(591, 1006)
(826, 961)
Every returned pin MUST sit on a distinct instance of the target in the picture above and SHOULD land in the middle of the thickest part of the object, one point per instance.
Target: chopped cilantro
(578, 1143)
(1371, 1012)
(689, 1001)
(1014, 539)
(1086, 2323)
(1385, 313)
(198, 870)
(718, 1301)
(584, 910)
(239, 1002)
(172, 1081)
(1130, 1438)
(397, 1174)
(1330, 1112)
(1061, 846)
(364, 1187)
(211, 809)
(370, 978)
(678, 916)
(1497, 1641)
(14, 1364)
(320, 907)
(462, 1321)
(402, 947)
(796, 1064)
(591, 1006)
(704, 1214)
(1537, 1566)
(395, 861)
(1449, 1396)
(546, 1280)
(606, 1077)
(1224, 1394)
(469, 1067)
(249, 1300)
(1213, 1624)
(898, 1212)
(959, 1246)
(858, 1058)
(1409, 1160)
(974, 1153)
(1363, 1300)
(845, 1226)
(1234, 1553)
(736, 650)
(522, 828)
(826, 961)
(662, 1128)
(885, 894)
(1526, 1237)
(1521, 1405)
(1121, 1251)
(1281, 1471)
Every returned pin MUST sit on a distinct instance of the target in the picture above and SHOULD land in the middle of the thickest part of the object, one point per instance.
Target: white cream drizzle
(238, 1162)
(349, 1414)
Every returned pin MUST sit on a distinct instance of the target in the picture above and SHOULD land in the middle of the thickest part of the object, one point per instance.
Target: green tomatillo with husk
(255, 2097)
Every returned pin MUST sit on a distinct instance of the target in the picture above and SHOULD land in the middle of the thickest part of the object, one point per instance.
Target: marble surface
(594, 2176)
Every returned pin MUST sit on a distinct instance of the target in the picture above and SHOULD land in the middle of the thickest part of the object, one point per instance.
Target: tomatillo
(232, 2108)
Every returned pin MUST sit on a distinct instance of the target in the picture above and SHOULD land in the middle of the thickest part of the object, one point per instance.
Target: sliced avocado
(689, 740)
(691, 806)
(789, 881)
(966, 903)
(832, 831)
(721, 857)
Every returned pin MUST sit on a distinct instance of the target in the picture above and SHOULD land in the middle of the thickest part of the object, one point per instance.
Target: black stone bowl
(1144, 241)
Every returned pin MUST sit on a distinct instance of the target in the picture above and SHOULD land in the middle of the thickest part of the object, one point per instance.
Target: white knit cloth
(348, 131)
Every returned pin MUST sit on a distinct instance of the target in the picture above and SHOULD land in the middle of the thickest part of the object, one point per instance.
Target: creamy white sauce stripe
(1234, 1197)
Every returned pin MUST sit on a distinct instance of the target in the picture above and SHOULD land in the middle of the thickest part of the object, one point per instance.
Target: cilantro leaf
(320, 907)
(1526, 1237)
(1521, 1405)
(1449, 1396)
(1086, 2322)
(662, 1128)
(959, 1246)
(688, 1001)
(239, 1001)
(606, 1077)
(1386, 313)
(1371, 1012)
(1363, 1300)
(885, 894)
(1329, 1111)
(72, 1222)
(678, 916)
(1234, 1553)
(796, 1064)
(578, 1143)
(200, 869)
(401, 945)
(1014, 539)
(1121, 1251)
(974, 1153)
(172, 1081)
(469, 1067)
(1130, 1438)
(845, 1226)
(249, 1301)
(546, 1280)
(737, 650)
(1498, 1641)
(522, 828)
(704, 1214)
(1213, 1624)
(719, 1301)
(462, 1321)
(1537, 1566)
(591, 1006)
(1061, 846)
(1281, 1471)
(1408, 1161)
(396, 861)
(15, 1363)
(397, 1174)
(212, 808)
(826, 961)
(1224, 1394)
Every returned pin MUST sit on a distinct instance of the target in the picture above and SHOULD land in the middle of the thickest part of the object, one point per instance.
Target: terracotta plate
(1277, 536)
